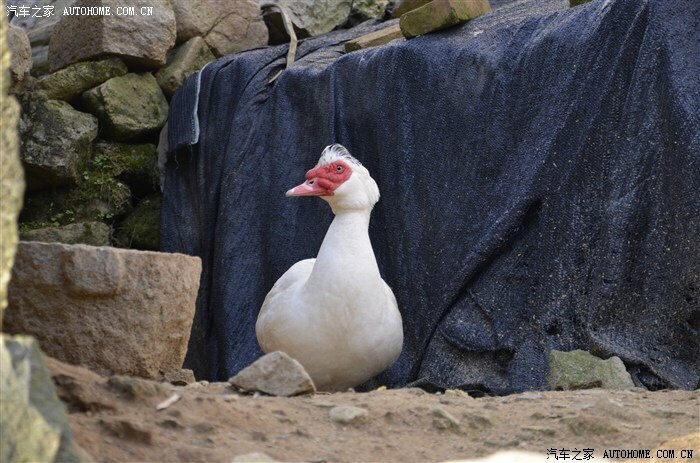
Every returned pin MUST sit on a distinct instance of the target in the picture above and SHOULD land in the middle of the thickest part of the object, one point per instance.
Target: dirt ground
(116, 420)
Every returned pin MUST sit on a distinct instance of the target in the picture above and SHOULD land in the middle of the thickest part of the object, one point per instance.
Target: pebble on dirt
(348, 415)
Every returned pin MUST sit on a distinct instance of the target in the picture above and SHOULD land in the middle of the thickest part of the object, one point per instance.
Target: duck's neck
(346, 254)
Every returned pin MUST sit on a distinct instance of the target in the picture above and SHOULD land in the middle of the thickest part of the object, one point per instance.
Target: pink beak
(308, 188)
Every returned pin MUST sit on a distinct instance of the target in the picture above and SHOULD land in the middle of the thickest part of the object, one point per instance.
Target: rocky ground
(117, 420)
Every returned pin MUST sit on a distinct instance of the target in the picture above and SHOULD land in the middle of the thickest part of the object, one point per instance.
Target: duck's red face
(323, 180)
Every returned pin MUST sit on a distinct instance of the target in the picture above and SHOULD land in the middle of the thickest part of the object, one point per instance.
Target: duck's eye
(339, 169)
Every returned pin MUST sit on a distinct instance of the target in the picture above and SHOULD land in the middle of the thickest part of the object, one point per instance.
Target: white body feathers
(335, 314)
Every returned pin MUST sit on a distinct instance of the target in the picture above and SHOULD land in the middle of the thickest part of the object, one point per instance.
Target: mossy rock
(56, 141)
(580, 370)
(141, 228)
(135, 165)
(98, 198)
(104, 191)
(70, 82)
(128, 106)
(33, 419)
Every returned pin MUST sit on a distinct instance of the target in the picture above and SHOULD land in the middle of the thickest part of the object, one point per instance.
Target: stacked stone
(97, 101)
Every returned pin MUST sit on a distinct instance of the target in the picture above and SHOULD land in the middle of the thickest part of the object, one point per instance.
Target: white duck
(335, 314)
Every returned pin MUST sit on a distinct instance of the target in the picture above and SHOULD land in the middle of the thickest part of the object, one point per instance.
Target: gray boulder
(70, 82)
(112, 310)
(39, 29)
(311, 17)
(580, 370)
(139, 39)
(369, 9)
(32, 418)
(227, 27)
(56, 141)
(191, 56)
(93, 233)
(21, 57)
(128, 106)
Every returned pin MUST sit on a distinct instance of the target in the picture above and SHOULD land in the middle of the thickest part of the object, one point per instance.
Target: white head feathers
(366, 196)
(336, 152)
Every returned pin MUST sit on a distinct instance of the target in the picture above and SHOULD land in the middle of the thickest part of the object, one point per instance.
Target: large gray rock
(227, 27)
(369, 9)
(70, 82)
(112, 310)
(39, 29)
(92, 233)
(311, 17)
(11, 178)
(40, 13)
(32, 418)
(191, 56)
(580, 370)
(275, 373)
(21, 61)
(140, 39)
(128, 106)
(26, 434)
(56, 141)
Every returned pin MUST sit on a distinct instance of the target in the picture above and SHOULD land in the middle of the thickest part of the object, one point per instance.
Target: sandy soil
(117, 421)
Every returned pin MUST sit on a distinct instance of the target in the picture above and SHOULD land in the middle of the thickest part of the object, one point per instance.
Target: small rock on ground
(277, 374)
(348, 415)
(580, 370)
(443, 420)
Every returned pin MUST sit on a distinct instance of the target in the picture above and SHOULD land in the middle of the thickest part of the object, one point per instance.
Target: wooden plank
(374, 39)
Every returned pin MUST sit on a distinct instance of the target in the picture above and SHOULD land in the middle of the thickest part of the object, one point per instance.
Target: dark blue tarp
(540, 175)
